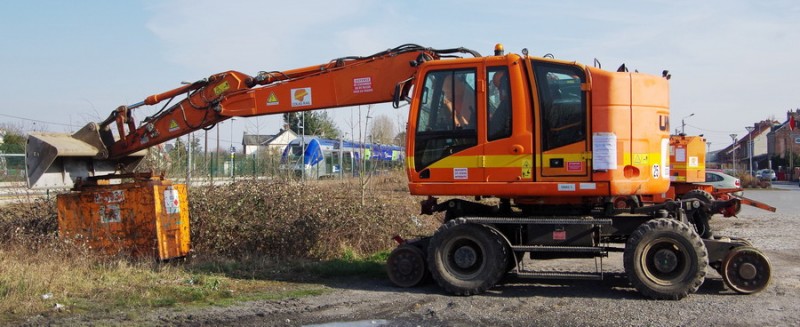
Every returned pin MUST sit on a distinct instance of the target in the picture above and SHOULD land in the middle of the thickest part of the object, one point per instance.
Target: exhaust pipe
(59, 160)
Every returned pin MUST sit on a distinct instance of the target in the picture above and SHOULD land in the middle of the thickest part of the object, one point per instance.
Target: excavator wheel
(665, 259)
(746, 270)
(467, 259)
(700, 195)
(406, 266)
(700, 219)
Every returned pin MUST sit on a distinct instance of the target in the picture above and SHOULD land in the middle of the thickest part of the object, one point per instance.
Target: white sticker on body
(566, 187)
(172, 202)
(460, 173)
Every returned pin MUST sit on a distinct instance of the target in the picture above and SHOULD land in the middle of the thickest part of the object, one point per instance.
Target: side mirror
(401, 93)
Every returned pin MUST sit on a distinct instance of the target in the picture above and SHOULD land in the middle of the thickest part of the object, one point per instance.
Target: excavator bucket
(58, 160)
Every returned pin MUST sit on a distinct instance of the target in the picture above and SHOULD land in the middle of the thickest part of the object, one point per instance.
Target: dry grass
(35, 282)
(248, 239)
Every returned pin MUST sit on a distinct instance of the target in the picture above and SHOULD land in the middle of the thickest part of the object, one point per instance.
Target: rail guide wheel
(746, 270)
(406, 266)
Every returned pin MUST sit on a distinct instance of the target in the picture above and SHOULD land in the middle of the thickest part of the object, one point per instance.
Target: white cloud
(726, 56)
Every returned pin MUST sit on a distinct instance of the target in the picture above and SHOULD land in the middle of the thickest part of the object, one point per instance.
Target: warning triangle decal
(272, 100)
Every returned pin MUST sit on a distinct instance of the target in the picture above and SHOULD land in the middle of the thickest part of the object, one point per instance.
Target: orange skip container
(141, 218)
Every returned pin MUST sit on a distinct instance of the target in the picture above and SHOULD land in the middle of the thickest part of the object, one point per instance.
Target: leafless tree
(382, 130)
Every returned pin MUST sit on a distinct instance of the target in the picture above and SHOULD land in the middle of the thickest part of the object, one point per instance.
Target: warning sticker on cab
(574, 166)
(272, 99)
(301, 97)
(526, 168)
(460, 173)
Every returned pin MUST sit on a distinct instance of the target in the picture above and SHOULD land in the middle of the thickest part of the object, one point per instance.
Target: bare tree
(364, 175)
(382, 130)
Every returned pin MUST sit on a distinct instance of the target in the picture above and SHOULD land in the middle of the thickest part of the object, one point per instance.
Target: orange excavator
(576, 158)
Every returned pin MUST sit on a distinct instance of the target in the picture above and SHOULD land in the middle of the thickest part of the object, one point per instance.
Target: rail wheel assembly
(665, 259)
(406, 266)
(466, 258)
(700, 218)
(746, 270)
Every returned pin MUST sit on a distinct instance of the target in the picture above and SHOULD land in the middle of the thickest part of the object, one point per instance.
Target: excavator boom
(116, 145)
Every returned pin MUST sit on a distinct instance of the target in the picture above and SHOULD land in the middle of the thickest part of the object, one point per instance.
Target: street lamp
(733, 150)
(750, 146)
(683, 123)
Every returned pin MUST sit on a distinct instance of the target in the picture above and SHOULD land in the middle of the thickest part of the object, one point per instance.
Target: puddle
(360, 323)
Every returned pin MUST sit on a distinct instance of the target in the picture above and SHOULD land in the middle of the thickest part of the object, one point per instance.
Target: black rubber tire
(665, 259)
(467, 259)
(700, 219)
(406, 266)
(746, 270)
(700, 195)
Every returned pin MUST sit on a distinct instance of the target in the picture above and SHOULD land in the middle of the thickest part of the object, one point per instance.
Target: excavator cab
(538, 127)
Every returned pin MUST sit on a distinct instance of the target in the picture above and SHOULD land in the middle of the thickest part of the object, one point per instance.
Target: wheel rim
(406, 266)
(665, 261)
(464, 257)
(746, 270)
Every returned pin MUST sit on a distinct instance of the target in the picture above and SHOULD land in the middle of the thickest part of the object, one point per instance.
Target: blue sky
(65, 63)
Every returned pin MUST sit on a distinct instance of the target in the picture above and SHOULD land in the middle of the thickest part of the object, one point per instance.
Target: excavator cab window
(447, 121)
(498, 98)
(562, 104)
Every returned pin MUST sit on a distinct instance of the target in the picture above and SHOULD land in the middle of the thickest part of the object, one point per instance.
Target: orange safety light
(498, 49)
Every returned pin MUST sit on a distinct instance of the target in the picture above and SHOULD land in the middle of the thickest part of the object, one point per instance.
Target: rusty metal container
(145, 216)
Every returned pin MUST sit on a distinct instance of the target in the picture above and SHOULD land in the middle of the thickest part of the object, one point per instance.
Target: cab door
(445, 127)
(504, 157)
(562, 121)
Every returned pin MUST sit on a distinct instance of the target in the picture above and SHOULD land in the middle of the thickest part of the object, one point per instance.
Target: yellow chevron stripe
(501, 161)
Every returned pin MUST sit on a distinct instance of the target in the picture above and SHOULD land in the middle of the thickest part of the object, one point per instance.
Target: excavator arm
(117, 143)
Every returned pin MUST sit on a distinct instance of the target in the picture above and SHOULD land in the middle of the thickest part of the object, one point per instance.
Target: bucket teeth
(57, 160)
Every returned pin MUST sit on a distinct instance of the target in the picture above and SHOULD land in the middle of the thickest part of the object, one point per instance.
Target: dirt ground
(517, 302)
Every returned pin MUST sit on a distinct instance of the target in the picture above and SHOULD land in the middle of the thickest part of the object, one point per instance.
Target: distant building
(784, 146)
(741, 150)
(252, 143)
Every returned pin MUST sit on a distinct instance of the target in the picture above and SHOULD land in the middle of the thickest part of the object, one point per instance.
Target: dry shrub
(319, 220)
(748, 181)
(32, 223)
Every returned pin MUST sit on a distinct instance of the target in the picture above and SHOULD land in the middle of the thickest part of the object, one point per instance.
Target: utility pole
(683, 123)
(750, 147)
(233, 150)
(215, 161)
(189, 159)
(733, 151)
(205, 148)
(303, 142)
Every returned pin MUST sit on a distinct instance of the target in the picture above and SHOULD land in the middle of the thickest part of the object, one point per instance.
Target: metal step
(538, 221)
(558, 275)
(551, 248)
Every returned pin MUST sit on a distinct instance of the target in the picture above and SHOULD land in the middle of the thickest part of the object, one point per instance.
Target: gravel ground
(516, 302)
